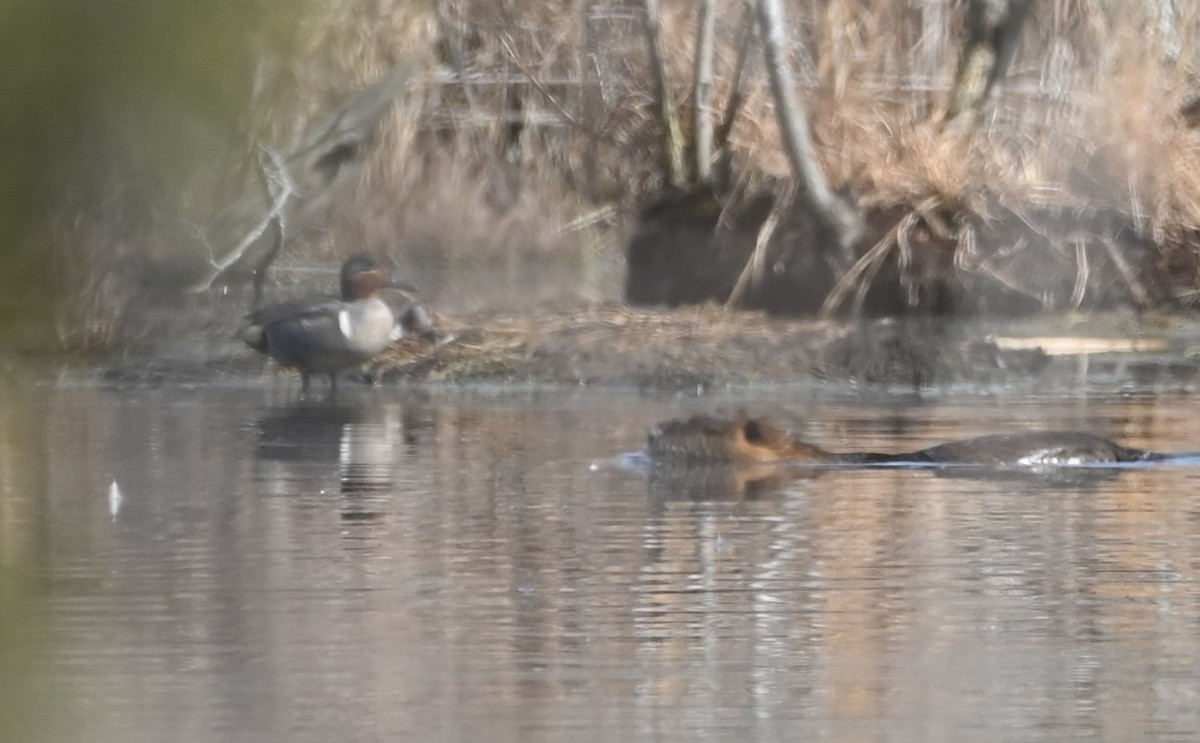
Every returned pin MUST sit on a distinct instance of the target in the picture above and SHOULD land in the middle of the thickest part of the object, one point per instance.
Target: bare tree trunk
(992, 30)
(734, 102)
(797, 137)
(672, 134)
(702, 98)
(580, 105)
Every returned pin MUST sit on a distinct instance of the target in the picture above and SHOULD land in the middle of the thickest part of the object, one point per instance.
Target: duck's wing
(305, 310)
(295, 309)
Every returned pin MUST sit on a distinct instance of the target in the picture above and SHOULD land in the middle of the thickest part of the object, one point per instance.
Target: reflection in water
(448, 566)
(670, 481)
(360, 440)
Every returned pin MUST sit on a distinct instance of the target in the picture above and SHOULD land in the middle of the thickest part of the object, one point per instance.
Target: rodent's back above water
(704, 439)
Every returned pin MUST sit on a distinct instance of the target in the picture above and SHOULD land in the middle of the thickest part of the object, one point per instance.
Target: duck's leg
(333, 377)
(304, 382)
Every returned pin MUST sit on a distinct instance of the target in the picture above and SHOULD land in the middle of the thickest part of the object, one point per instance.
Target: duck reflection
(357, 443)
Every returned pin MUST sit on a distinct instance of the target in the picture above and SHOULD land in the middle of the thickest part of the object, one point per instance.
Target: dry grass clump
(689, 347)
(609, 344)
(476, 356)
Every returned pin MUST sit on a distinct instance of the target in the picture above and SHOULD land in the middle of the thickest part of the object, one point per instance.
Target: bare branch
(297, 187)
(755, 267)
(279, 186)
(734, 103)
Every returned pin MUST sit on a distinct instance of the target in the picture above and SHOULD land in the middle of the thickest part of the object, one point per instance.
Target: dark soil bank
(931, 259)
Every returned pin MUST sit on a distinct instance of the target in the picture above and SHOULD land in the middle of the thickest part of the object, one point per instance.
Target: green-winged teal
(324, 335)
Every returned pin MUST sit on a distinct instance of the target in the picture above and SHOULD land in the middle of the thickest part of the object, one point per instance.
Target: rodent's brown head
(743, 439)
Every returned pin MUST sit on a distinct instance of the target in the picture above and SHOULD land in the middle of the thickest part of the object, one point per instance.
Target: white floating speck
(114, 499)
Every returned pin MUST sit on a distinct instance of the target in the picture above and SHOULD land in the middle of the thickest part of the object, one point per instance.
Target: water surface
(451, 565)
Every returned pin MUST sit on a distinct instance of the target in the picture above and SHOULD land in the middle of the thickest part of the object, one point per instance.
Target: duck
(324, 334)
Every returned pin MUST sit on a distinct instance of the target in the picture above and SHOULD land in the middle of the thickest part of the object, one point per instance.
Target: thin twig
(986, 267)
(1081, 274)
(927, 208)
(507, 42)
(1140, 295)
(861, 266)
(905, 261)
(753, 271)
(995, 274)
(965, 257)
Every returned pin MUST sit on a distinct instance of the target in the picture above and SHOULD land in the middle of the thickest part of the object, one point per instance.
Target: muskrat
(756, 440)
(742, 440)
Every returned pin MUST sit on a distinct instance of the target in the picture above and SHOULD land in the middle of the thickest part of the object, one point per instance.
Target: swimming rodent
(704, 439)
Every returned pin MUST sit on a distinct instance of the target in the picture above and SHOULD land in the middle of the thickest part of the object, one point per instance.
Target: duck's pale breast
(366, 326)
